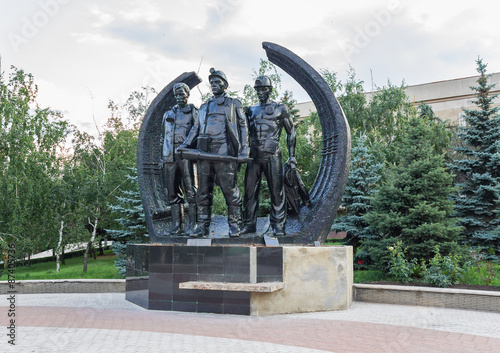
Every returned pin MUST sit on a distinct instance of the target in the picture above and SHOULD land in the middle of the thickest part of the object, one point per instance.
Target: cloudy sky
(83, 53)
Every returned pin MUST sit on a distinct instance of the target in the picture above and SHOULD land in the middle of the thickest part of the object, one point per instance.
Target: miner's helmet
(183, 86)
(263, 81)
(218, 73)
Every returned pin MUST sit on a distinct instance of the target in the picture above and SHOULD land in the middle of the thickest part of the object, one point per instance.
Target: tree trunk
(58, 249)
(89, 244)
(101, 250)
(63, 261)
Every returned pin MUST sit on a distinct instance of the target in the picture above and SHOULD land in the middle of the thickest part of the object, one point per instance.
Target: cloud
(117, 46)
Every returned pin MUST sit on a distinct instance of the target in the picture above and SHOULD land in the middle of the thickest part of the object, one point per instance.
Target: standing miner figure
(221, 136)
(266, 121)
(178, 173)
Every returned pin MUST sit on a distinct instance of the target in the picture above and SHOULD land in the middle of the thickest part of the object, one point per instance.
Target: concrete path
(108, 323)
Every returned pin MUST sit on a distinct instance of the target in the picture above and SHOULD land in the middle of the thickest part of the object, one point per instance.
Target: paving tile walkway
(108, 323)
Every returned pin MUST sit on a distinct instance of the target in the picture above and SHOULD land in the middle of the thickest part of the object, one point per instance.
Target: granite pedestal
(246, 280)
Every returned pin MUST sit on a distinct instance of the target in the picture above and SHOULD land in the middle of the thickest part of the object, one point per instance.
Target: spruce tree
(478, 169)
(131, 224)
(363, 176)
(413, 204)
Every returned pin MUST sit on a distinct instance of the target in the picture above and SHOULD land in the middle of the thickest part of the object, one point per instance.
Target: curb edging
(425, 296)
(64, 286)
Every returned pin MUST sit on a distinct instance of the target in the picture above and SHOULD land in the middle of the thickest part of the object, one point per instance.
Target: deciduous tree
(31, 140)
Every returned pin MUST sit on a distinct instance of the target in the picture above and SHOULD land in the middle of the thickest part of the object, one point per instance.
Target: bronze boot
(234, 221)
(203, 225)
(177, 220)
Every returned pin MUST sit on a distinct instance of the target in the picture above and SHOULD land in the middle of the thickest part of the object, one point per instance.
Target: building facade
(447, 98)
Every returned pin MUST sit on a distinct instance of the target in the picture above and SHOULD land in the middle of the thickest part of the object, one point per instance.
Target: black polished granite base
(154, 272)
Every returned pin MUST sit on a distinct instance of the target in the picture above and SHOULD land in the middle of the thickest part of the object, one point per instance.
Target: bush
(375, 250)
(486, 273)
(443, 271)
(400, 268)
(361, 260)
(479, 271)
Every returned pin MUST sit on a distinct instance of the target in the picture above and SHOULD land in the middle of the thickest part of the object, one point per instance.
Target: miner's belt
(206, 143)
(269, 145)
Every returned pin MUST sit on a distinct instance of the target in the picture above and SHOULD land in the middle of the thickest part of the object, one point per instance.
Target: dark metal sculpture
(220, 130)
(295, 190)
(265, 123)
(178, 174)
(149, 157)
(312, 223)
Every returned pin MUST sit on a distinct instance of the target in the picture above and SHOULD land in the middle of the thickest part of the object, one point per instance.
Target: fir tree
(132, 224)
(413, 205)
(479, 168)
(363, 177)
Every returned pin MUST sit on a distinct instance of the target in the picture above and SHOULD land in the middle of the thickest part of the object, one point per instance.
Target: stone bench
(234, 287)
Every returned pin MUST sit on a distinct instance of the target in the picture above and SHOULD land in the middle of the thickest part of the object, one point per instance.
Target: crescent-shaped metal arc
(328, 188)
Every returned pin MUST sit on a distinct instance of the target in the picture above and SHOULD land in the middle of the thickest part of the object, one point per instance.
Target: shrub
(443, 271)
(375, 251)
(400, 268)
(479, 271)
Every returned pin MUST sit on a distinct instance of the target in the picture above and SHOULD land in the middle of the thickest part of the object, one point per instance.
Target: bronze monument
(218, 142)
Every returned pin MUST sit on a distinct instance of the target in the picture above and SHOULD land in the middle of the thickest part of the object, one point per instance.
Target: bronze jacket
(236, 125)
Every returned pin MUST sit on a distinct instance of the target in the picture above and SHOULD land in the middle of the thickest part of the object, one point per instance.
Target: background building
(447, 98)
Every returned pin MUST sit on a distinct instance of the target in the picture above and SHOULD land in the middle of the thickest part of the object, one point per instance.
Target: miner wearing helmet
(266, 121)
(221, 130)
(178, 173)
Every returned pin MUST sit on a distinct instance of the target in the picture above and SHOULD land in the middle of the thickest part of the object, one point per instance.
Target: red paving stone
(327, 335)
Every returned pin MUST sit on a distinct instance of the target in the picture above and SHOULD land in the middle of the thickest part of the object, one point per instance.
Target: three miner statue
(220, 137)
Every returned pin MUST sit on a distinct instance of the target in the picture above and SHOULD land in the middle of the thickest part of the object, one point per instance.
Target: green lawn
(369, 276)
(101, 268)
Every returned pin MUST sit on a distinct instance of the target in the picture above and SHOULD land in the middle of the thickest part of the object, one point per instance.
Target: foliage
(478, 169)
(331, 80)
(400, 268)
(352, 98)
(413, 203)
(99, 165)
(442, 271)
(441, 135)
(484, 273)
(308, 148)
(131, 223)
(363, 177)
(288, 100)
(31, 150)
(479, 271)
(382, 116)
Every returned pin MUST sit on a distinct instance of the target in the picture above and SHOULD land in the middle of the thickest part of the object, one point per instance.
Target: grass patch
(369, 276)
(101, 268)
